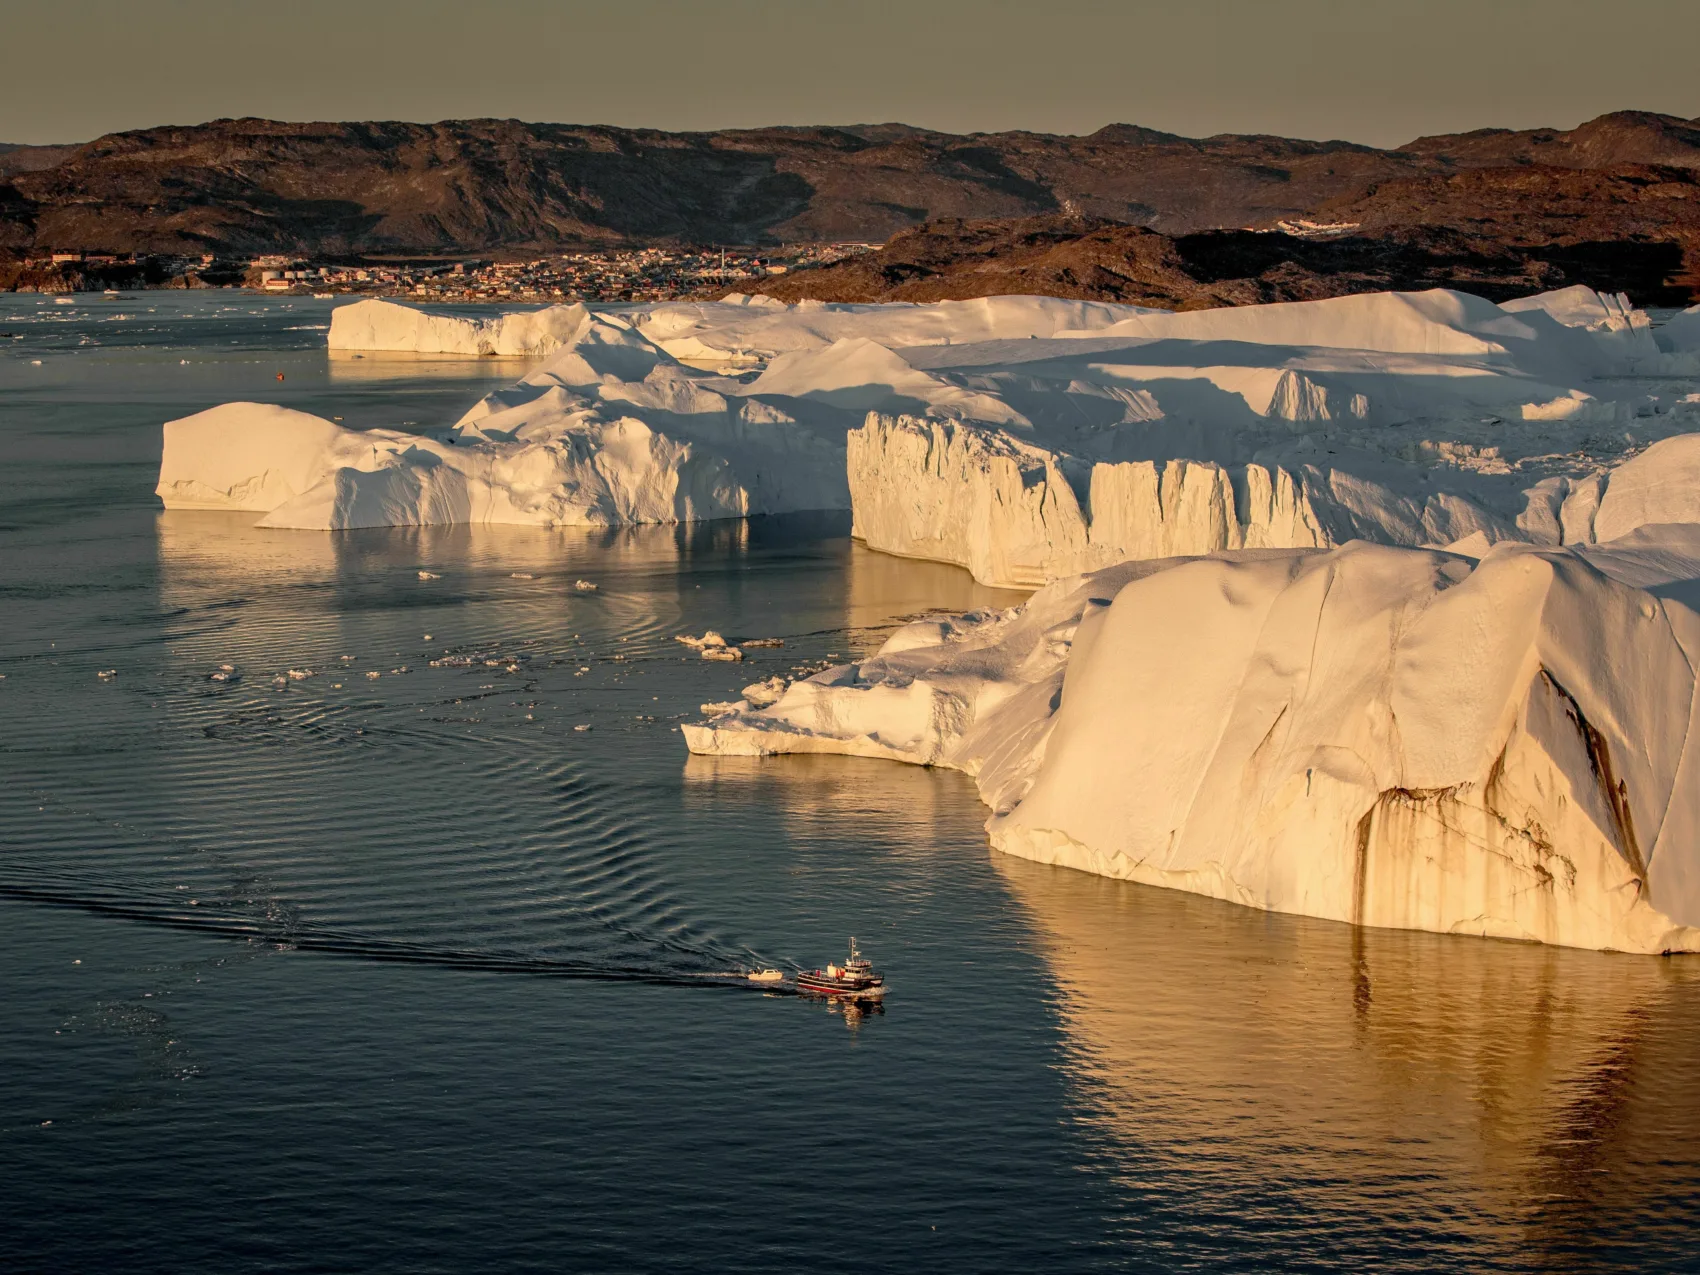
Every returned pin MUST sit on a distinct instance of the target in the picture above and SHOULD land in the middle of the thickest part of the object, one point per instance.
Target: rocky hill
(1623, 137)
(1499, 256)
(1611, 200)
(489, 185)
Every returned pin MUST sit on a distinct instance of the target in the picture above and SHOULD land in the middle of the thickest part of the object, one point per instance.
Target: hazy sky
(1364, 70)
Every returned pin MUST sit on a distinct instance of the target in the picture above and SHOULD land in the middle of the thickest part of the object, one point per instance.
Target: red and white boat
(856, 979)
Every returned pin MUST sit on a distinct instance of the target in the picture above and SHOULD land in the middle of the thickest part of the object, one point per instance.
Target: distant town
(642, 274)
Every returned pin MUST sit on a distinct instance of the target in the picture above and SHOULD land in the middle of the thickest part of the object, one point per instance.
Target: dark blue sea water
(406, 973)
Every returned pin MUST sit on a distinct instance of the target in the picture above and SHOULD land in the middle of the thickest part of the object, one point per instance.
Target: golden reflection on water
(229, 544)
(344, 367)
(825, 800)
(881, 590)
(1527, 1096)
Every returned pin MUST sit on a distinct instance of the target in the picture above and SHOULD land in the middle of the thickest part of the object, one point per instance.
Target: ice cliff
(1023, 437)
(1407, 419)
(1394, 737)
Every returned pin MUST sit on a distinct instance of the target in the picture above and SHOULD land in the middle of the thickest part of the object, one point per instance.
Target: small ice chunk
(584, 586)
(761, 694)
(762, 642)
(719, 708)
(729, 654)
(710, 638)
(301, 674)
(373, 675)
(522, 575)
(107, 674)
(582, 726)
(429, 575)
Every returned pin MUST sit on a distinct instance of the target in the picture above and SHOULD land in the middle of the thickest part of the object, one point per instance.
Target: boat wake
(280, 931)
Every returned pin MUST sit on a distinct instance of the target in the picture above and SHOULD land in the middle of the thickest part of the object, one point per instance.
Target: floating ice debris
(301, 674)
(427, 637)
(373, 675)
(35, 362)
(226, 668)
(398, 670)
(761, 694)
(710, 638)
(452, 661)
(347, 659)
(429, 575)
(280, 681)
(522, 575)
(584, 586)
(762, 642)
(719, 708)
(582, 727)
(107, 674)
(729, 654)
(224, 675)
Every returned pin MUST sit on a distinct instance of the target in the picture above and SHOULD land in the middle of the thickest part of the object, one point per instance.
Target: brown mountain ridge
(494, 186)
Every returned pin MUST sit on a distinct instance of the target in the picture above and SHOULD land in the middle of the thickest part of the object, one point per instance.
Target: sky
(1362, 70)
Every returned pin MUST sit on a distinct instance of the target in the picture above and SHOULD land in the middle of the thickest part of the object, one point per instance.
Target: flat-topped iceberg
(383, 325)
(1393, 737)
(1023, 437)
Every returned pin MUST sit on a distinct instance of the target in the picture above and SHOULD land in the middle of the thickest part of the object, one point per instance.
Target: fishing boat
(856, 979)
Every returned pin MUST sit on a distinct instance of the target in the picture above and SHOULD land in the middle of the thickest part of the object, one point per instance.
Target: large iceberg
(1392, 737)
(610, 427)
(1024, 437)
(1407, 419)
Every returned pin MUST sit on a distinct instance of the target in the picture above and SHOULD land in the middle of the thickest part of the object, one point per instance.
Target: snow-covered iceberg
(1407, 419)
(1024, 437)
(610, 428)
(1394, 737)
(383, 325)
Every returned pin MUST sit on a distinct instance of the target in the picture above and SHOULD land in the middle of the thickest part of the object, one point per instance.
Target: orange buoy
(280, 376)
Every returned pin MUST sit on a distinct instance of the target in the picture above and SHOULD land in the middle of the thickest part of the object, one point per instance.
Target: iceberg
(383, 325)
(1493, 745)
(1027, 438)
(1407, 419)
(1681, 335)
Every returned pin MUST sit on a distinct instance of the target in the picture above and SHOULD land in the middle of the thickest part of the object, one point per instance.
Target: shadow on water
(1240, 1064)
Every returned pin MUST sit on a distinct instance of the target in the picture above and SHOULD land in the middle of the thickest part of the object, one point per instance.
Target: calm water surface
(407, 973)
